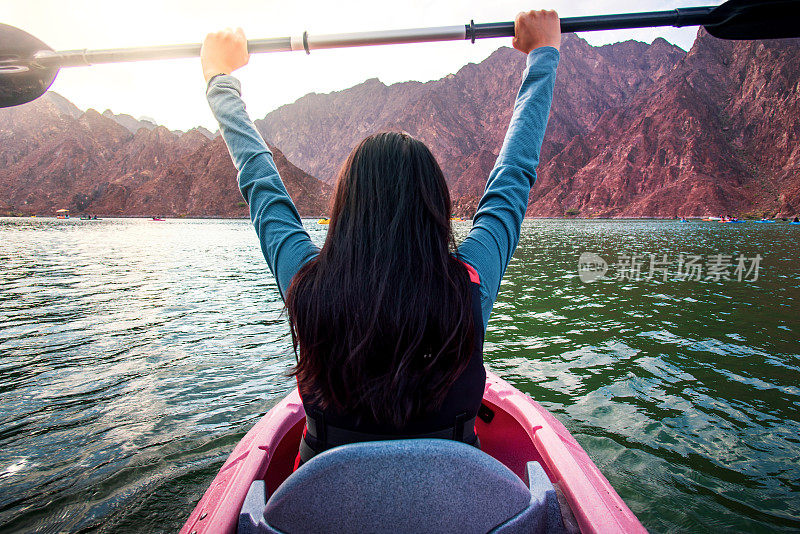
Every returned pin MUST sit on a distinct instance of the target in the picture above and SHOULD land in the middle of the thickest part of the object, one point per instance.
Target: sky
(173, 92)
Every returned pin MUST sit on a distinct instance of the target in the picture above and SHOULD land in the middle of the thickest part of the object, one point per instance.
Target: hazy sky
(172, 92)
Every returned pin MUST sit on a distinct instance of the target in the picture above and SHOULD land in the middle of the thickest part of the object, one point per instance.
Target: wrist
(211, 73)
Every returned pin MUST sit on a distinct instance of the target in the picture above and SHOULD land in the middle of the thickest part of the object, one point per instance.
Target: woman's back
(451, 416)
(381, 318)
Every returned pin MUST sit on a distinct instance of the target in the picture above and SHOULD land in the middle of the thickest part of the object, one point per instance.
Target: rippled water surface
(135, 354)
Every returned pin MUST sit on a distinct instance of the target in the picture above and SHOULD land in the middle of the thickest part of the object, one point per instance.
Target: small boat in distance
(457, 219)
(157, 219)
(323, 221)
(725, 219)
(62, 214)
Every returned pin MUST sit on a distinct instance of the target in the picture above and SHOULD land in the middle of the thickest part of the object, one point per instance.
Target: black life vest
(455, 419)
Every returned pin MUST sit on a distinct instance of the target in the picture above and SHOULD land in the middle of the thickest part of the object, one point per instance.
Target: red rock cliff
(54, 156)
(635, 130)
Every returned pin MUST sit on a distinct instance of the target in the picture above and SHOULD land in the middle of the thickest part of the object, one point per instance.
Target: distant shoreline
(697, 218)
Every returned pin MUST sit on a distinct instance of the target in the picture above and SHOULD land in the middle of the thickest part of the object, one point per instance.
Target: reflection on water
(134, 354)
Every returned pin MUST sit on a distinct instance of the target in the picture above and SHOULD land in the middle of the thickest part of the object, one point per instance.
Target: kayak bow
(519, 431)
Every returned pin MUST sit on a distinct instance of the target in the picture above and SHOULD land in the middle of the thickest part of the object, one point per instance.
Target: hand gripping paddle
(28, 66)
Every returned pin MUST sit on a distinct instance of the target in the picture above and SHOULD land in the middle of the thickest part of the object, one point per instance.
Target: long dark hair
(382, 316)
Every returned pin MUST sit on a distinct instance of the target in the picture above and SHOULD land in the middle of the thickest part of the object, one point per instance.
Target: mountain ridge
(635, 130)
(53, 158)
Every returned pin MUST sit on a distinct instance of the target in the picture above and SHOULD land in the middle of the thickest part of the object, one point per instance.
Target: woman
(388, 317)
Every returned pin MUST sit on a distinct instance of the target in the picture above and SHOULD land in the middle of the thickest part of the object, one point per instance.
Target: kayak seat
(415, 485)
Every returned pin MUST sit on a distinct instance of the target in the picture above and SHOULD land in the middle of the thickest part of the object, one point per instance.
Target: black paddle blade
(756, 19)
(21, 79)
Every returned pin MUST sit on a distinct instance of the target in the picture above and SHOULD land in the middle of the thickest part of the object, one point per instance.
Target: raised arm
(498, 219)
(284, 242)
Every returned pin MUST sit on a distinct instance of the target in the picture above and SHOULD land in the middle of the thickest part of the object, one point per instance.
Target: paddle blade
(756, 19)
(21, 78)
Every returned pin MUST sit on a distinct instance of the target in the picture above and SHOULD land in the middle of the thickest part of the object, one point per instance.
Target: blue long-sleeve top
(497, 222)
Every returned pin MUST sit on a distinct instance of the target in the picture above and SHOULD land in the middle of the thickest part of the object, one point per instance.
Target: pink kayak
(519, 431)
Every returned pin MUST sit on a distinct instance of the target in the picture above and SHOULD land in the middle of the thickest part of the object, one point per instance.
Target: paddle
(28, 66)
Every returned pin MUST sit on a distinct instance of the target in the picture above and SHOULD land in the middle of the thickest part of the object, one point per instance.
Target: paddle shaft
(692, 16)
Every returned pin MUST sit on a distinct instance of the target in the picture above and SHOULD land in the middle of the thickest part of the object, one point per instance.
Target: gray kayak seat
(416, 485)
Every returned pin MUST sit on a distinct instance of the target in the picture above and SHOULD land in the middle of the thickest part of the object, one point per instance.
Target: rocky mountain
(131, 124)
(466, 113)
(635, 130)
(717, 135)
(54, 156)
(134, 125)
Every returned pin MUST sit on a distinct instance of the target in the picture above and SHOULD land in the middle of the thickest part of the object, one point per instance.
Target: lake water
(135, 354)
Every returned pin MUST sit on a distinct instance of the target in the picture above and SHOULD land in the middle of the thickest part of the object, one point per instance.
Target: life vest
(455, 419)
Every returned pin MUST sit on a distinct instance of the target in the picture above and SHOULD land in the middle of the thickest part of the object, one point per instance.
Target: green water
(135, 354)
